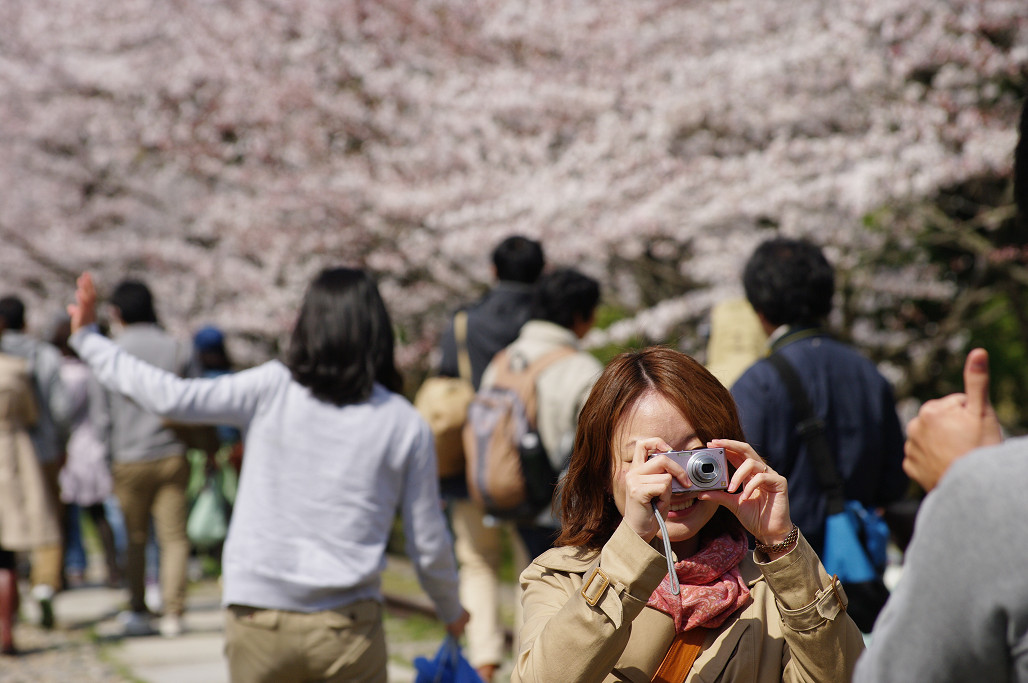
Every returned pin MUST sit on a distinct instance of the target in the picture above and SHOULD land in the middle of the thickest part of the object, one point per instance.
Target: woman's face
(653, 415)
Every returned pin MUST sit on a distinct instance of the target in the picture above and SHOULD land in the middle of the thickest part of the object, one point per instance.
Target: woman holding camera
(333, 452)
(602, 606)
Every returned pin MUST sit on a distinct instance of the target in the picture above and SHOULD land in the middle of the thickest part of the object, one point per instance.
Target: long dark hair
(343, 339)
(588, 513)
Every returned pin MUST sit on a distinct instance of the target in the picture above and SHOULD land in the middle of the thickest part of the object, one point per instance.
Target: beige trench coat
(28, 511)
(586, 620)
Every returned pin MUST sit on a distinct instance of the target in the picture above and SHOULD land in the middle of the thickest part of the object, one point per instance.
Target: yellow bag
(443, 402)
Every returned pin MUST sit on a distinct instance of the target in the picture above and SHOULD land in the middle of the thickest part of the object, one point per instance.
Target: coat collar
(578, 560)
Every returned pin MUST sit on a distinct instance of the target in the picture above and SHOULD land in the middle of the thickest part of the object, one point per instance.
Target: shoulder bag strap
(811, 429)
(684, 650)
(460, 333)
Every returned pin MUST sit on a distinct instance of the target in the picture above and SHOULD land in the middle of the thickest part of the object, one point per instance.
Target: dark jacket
(493, 323)
(859, 411)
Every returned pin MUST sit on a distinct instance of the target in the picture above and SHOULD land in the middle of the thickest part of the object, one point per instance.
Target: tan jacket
(794, 628)
(28, 510)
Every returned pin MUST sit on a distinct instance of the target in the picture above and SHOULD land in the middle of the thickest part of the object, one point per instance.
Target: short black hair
(343, 339)
(564, 296)
(12, 310)
(518, 259)
(134, 302)
(789, 282)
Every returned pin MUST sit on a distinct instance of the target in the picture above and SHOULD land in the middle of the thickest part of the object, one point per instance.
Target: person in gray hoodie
(960, 611)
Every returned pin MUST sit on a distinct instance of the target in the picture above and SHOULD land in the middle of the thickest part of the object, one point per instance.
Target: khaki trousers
(478, 547)
(48, 560)
(155, 488)
(276, 646)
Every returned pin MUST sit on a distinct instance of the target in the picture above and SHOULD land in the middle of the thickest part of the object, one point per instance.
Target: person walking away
(48, 433)
(493, 322)
(790, 285)
(563, 311)
(27, 515)
(149, 467)
(85, 479)
(737, 340)
(333, 453)
(209, 342)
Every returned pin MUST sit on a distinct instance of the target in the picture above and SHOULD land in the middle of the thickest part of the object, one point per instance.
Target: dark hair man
(149, 465)
(790, 284)
(495, 319)
(493, 322)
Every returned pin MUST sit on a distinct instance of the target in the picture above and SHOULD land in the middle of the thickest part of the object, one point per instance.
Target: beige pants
(155, 488)
(48, 560)
(275, 646)
(478, 547)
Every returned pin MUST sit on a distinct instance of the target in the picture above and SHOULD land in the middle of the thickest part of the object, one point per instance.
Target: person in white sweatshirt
(333, 452)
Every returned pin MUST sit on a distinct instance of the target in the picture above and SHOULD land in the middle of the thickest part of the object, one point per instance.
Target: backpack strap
(523, 382)
(460, 334)
(811, 429)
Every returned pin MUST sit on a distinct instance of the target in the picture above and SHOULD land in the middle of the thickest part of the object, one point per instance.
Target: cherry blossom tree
(225, 151)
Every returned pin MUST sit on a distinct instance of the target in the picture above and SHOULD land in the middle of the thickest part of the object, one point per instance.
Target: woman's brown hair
(588, 514)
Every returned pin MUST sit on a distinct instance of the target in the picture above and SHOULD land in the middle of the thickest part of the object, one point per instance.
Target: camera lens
(704, 469)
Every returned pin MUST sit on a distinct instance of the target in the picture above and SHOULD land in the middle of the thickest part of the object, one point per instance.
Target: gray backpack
(508, 471)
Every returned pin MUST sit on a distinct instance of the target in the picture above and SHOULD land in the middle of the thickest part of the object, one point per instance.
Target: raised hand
(83, 311)
(950, 427)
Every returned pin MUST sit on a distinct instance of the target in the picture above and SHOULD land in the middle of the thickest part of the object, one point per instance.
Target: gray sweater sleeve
(960, 611)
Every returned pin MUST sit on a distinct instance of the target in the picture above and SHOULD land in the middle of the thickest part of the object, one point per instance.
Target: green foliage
(1001, 332)
(965, 236)
(606, 315)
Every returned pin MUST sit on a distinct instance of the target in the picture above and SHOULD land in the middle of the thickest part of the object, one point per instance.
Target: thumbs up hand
(949, 427)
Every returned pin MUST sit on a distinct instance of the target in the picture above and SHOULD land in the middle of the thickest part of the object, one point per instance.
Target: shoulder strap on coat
(684, 650)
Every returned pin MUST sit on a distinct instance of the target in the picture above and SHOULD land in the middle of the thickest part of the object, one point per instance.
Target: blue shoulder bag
(855, 537)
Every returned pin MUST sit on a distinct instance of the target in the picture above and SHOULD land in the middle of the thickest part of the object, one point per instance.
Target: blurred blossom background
(225, 151)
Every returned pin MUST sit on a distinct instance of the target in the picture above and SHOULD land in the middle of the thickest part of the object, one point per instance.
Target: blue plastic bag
(855, 544)
(448, 666)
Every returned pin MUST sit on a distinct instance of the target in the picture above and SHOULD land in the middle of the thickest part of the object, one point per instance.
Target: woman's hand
(645, 480)
(83, 311)
(762, 503)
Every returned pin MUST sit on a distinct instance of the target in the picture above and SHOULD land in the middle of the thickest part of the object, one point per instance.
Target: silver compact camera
(705, 467)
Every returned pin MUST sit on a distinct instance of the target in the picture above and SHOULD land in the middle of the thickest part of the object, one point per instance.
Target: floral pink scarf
(711, 586)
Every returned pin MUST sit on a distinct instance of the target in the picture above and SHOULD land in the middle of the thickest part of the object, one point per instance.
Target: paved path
(87, 646)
